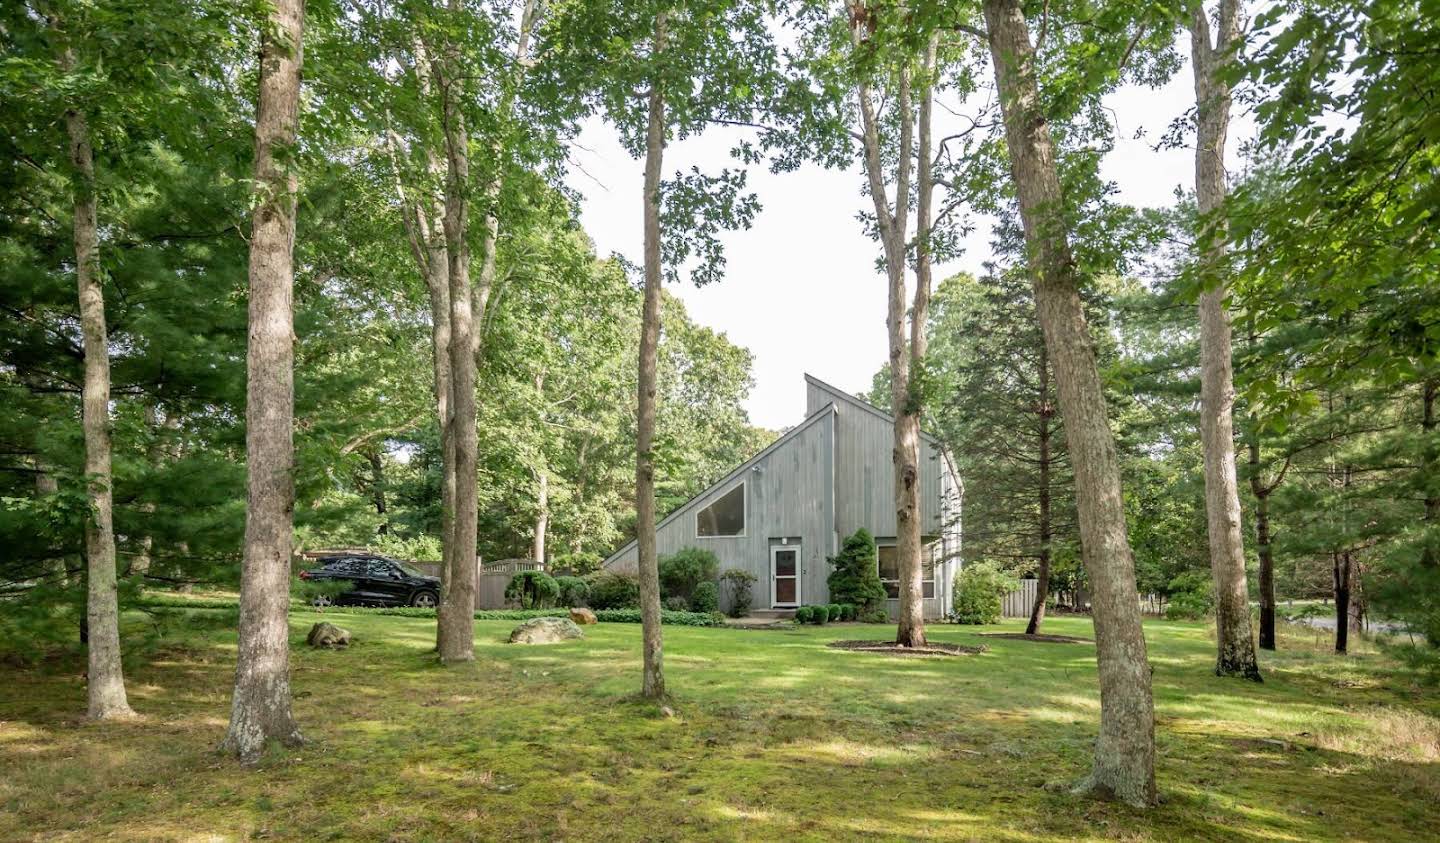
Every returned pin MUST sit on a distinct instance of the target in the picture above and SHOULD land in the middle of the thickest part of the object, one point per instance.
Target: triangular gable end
(689, 506)
(819, 393)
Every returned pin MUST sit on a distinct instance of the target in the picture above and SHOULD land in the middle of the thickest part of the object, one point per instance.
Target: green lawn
(773, 736)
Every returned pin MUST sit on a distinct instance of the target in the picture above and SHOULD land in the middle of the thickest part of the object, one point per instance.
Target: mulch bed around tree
(1042, 638)
(934, 648)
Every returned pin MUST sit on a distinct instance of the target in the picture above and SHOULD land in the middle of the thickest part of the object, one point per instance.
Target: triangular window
(725, 516)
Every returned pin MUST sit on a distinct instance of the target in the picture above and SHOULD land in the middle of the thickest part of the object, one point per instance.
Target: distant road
(1328, 622)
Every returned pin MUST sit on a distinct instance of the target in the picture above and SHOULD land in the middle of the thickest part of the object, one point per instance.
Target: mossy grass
(767, 737)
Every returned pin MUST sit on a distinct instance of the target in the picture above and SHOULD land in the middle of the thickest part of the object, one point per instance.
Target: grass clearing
(775, 735)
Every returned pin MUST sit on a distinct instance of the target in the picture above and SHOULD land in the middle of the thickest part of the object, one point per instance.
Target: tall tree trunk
(424, 219)
(1042, 568)
(1235, 648)
(1125, 750)
(377, 489)
(653, 671)
(456, 615)
(260, 710)
(1358, 601)
(542, 515)
(1263, 550)
(105, 683)
(909, 542)
(906, 435)
(1341, 573)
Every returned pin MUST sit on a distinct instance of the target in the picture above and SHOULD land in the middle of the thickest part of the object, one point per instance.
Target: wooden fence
(494, 576)
(1017, 604)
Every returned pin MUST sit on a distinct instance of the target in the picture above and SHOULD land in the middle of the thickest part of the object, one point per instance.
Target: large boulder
(545, 631)
(325, 634)
(582, 615)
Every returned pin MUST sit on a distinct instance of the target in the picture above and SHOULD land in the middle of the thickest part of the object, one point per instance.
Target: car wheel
(320, 601)
(424, 599)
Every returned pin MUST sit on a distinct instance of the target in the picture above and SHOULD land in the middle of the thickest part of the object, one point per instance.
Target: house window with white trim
(725, 516)
(890, 570)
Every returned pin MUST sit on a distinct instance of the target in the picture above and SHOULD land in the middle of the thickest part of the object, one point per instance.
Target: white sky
(801, 289)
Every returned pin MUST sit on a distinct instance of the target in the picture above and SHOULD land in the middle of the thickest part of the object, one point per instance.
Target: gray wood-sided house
(781, 513)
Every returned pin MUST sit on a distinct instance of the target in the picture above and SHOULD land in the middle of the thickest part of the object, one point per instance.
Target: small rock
(325, 634)
(582, 615)
(545, 631)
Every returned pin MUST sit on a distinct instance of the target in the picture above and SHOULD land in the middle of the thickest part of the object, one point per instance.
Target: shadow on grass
(773, 737)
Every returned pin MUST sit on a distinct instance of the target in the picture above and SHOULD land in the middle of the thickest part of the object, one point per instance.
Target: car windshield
(409, 569)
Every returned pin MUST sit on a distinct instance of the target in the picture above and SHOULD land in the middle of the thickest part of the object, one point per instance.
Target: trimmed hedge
(818, 614)
(533, 590)
(705, 598)
(666, 616)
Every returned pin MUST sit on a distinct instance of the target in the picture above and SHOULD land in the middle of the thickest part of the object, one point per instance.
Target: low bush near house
(855, 577)
(817, 614)
(574, 591)
(874, 616)
(706, 598)
(611, 590)
(979, 592)
(739, 581)
(676, 603)
(684, 570)
(533, 590)
(834, 614)
(666, 617)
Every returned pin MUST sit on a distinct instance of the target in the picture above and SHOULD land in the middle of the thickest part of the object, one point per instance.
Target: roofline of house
(865, 405)
(736, 472)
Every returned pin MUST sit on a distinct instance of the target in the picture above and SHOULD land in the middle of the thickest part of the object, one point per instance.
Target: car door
(387, 582)
(355, 570)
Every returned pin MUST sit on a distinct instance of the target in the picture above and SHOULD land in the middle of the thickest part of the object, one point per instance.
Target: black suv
(376, 581)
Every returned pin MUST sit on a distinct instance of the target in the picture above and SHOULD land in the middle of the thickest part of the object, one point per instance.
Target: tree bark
(1124, 765)
(456, 615)
(1235, 648)
(1263, 551)
(1042, 567)
(542, 515)
(892, 226)
(909, 542)
(105, 680)
(260, 709)
(1341, 573)
(424, 219)
(653, 672)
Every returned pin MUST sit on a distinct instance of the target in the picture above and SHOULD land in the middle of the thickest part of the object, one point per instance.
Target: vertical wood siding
(833, 475)
(864, 466)
(788, 495)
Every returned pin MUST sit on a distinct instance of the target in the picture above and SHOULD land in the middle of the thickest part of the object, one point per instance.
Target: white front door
(785, 575)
